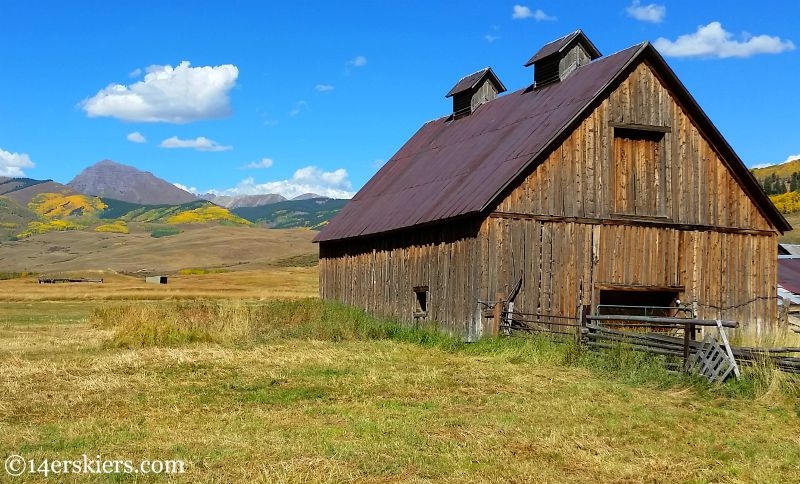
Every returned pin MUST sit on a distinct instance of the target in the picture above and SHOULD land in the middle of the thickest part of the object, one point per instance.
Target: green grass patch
(157, 232)
(4, 276)
(302, 260)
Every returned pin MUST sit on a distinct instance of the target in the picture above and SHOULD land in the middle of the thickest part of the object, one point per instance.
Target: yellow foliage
(56, 205)
(787, 202)
(210, 213)
(117, 227)
(49, 226)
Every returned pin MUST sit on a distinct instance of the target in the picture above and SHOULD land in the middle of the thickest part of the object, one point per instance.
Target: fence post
(583, 311)
(498, 313)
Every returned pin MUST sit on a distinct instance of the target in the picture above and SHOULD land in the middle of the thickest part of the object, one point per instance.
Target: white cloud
(135, 73)
(652, 12)
(713, 41)
(324, 88)
(264, 163)
(490, 38)
(192, 190)
(766, 164)
(168, 94)
(521, 12)
(200, 143)
(137, 137)
(310, 179)
(298, 108)
(358, 61)
(11, 164)
(792, 158)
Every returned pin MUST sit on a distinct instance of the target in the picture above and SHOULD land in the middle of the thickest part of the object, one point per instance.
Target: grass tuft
(172, 323)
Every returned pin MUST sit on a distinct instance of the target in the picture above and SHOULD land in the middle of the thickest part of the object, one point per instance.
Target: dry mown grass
(274, 282)
(304, 391)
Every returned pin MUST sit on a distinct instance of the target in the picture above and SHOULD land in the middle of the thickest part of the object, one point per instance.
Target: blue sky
(244, 97)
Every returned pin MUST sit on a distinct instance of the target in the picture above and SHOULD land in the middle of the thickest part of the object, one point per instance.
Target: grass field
(301, 391)
(196, 246)
(792, 237)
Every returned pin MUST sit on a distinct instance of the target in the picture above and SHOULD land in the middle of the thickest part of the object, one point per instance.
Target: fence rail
(611, 330)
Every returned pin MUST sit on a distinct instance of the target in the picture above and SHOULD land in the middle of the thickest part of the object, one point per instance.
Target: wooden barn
(602, 183)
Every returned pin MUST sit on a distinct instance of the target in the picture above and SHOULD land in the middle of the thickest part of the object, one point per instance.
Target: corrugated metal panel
(789, 274)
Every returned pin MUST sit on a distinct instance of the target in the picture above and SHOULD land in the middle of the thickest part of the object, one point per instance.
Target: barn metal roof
(789, 274)
(559, 45)
(472, 80)
(459, 168)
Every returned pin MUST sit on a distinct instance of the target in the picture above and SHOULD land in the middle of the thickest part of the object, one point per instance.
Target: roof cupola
(556, 60)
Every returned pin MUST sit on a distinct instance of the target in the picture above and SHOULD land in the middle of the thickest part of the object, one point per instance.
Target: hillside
(198, 211)
(14, 218)
(25, 212)
(778, 179)
(108, 179)
(312, 213)
(216, 247)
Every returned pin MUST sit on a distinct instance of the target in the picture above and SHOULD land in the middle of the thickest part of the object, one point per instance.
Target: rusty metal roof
(789, 274)
(472, 80)
(458, 168)
(562, 44)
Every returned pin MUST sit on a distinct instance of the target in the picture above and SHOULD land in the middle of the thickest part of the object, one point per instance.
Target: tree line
(776, 185)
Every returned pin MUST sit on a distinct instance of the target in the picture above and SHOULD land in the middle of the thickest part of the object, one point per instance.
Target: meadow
(248, 377)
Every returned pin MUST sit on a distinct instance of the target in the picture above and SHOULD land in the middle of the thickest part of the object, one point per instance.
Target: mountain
(237, 201)
(108, 179)
(307, 196)
(312, 213)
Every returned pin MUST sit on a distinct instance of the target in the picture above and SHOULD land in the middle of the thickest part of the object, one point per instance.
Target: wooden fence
(652, 334)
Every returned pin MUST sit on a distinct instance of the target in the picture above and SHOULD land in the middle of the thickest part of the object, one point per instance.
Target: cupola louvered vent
(556, 60)
(473, 90)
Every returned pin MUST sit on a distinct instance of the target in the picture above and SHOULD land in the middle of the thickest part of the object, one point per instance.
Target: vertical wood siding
(379, 274)
(700, 231)
(576, 179)
(565, 264)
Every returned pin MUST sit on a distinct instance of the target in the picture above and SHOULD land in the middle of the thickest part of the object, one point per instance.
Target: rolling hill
(214, 247)
(312, 213)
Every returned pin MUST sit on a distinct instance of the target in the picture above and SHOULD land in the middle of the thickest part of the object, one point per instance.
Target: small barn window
(421, 301)
(639, 173)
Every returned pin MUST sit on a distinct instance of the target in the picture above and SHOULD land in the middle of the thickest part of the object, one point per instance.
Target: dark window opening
(639, 303)
(421, 301)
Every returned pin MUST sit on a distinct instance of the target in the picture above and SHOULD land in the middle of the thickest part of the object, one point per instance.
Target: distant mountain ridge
(109, 179)
(239, 201)
(231, 201)
(111, 197)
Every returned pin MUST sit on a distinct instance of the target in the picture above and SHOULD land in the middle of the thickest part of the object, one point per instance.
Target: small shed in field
(603, 182)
